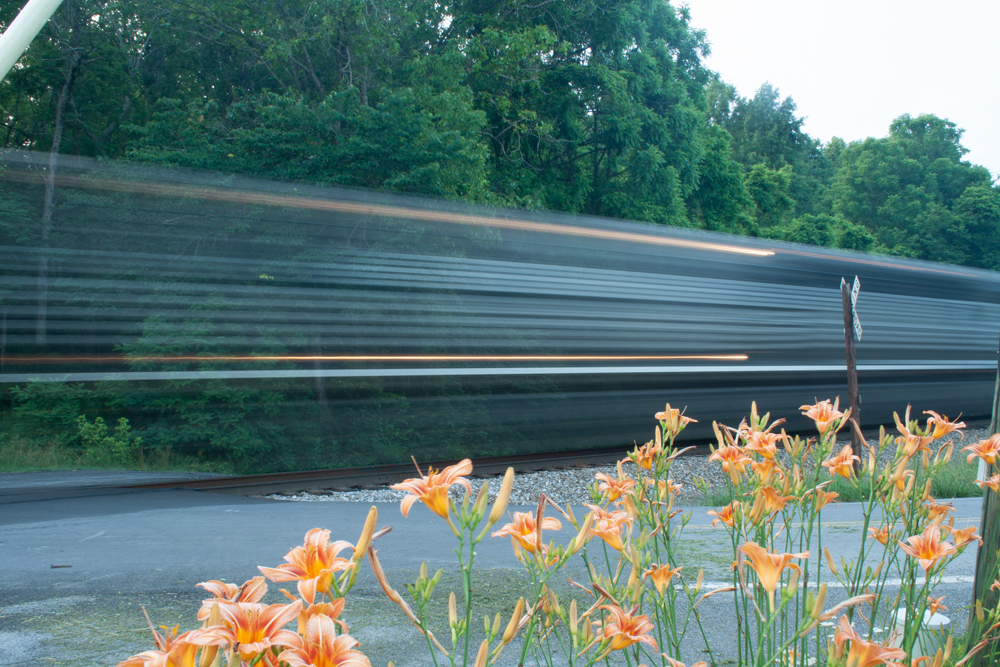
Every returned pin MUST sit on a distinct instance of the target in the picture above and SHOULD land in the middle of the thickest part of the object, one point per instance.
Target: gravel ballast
(570, 485)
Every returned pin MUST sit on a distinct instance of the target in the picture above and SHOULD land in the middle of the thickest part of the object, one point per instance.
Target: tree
(913, 191)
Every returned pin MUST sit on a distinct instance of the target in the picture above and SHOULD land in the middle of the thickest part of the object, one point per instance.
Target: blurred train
(385, 326)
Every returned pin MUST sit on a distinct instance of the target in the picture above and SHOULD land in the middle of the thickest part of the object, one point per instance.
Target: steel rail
(367, 476)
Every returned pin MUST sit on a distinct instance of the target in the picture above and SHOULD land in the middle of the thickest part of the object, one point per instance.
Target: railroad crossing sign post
(852, 332)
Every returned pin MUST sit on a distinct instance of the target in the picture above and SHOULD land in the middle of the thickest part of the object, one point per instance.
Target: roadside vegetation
(638, 601)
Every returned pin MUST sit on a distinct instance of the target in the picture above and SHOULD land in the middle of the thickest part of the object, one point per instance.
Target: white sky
(852, 66)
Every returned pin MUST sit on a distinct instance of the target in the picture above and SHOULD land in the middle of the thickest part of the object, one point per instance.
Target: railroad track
(343, 479)
(366, 477)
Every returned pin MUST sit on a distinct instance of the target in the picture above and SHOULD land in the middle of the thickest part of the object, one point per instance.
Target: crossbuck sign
(855, 290)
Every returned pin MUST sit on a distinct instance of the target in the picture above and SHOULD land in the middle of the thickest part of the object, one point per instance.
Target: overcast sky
(852, 66)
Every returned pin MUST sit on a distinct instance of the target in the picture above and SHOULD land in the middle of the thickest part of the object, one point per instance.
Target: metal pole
(852, 369)
(22, 30)
(989, 529)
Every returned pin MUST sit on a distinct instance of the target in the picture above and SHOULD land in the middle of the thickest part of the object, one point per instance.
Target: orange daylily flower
(763, 443)
(323, 648)
(910, 444)
(734, 461)
(769, 566)
(251, 591)
(934, 605)
(645, 456)
(678, 663)
(312, 564)
(881, 536)
(674, 419)
(665, 487)
(661, 576)
(331, 610)
(612, 488)
(995, 586)
(523, 527)
(993, 483)
(842, 464)
(965, 536)
(608, 526)
(765, 469)
(772, 502)
(180, 653)
(432, 488)
(988, 450)
(928, 547)
(725, 515)
(940, 426)
(863, 653)
(622, 629)
(254, 628)
(937, 511)
(823, 414)
(172, 649)
(824, 497)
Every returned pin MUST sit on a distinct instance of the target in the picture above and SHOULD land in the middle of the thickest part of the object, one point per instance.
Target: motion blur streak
(278, 326)
(406, 213)
(388, 357)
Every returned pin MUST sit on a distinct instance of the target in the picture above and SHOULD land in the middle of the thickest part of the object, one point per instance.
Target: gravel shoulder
(570, 485)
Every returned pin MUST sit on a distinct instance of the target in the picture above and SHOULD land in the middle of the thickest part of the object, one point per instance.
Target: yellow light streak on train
(402, 212)
(390, 357)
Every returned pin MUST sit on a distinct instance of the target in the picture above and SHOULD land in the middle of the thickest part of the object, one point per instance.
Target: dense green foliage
(599, 107)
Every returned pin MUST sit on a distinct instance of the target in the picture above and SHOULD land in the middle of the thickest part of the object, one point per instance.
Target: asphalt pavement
(81, 556)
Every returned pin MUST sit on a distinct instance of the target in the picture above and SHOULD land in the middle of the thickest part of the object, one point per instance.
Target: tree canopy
(600, 107)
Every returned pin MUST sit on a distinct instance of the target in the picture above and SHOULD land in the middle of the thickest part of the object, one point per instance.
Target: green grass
(955, 480)
(21, 452)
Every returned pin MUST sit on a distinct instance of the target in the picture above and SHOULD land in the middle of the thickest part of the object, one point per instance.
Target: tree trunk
(48, 203)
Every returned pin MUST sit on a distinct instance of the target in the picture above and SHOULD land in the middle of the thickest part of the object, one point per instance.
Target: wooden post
(852, 371)
(986, 557)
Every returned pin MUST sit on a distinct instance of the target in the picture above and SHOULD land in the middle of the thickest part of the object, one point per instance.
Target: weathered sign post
(989, 529)
(852, 332)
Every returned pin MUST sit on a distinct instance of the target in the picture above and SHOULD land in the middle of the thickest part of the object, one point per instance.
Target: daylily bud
(701, 578)
(582, 536)
(792, 587)
(483, 654)
(515, 618)
(209, 653)
(500, 504)
(479, 508)
(573, 620)
(817, 609)
(366, 534)
(423, 570)
(452, 612)
(571, 516)
(496, 625)
(829, 561)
